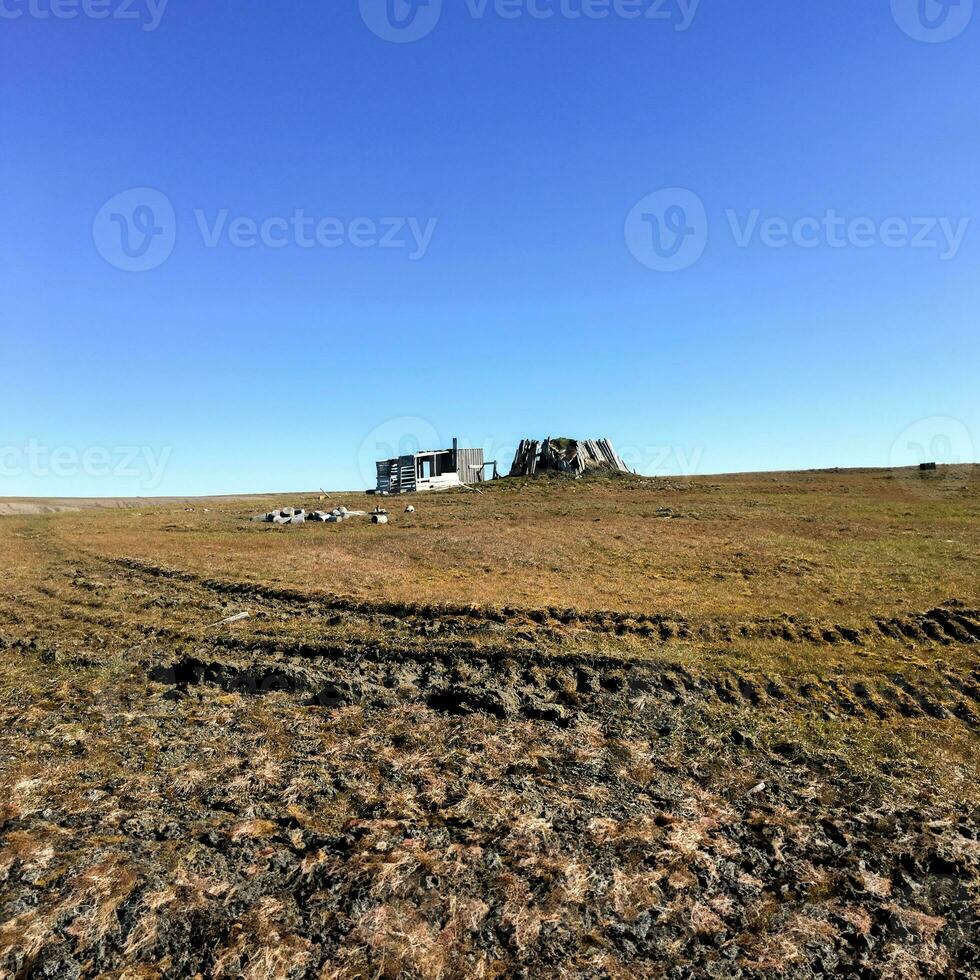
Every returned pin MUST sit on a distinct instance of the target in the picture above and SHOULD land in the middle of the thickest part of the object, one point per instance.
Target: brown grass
(825, 544)
(405, 841)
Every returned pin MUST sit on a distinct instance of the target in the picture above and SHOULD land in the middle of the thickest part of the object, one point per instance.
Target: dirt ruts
(557, 688)
(951, 623)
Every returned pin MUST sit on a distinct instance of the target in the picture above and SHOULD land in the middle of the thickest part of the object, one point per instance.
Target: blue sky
(534, 150)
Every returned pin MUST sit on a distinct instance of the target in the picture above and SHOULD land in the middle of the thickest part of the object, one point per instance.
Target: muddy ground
(338, 787)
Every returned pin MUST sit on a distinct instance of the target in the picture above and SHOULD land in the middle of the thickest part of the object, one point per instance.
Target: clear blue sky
(529, 140)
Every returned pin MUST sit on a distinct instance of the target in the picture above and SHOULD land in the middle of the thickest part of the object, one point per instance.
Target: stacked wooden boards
(565, 456)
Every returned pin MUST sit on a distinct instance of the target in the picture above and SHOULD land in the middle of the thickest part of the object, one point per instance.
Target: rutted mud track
(462, 659)
(344, 788)
(557, 689)
(451, 672)
(951, 623)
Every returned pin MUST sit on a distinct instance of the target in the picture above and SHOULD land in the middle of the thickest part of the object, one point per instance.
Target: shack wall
(469, 465)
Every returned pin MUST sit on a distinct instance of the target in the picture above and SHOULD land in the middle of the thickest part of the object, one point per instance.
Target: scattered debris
(335, 516)
(756, 790)
(409, 509)
(237, 618)
(379, 518)
(565, 456)
(287, 515)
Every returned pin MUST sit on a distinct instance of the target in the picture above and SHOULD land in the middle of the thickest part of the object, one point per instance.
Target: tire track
(513, 673)
(949, 624)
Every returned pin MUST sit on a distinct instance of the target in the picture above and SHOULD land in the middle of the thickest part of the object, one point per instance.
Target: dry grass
(151, 830)
(825, 544)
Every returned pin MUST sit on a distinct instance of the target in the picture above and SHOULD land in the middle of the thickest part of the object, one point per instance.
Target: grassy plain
(615, 727)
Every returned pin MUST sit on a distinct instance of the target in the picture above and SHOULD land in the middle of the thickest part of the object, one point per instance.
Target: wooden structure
(431, 469)
(565, 456)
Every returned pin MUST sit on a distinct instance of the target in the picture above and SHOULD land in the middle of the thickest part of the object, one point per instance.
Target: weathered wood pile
(565, 456)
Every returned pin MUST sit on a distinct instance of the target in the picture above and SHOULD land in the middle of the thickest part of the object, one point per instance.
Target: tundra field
(614, 727)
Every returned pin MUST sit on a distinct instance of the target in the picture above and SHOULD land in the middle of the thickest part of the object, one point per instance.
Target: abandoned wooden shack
(565, 456)
(432, 469)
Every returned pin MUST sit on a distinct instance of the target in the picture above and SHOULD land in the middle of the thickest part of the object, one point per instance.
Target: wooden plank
(516, 465)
